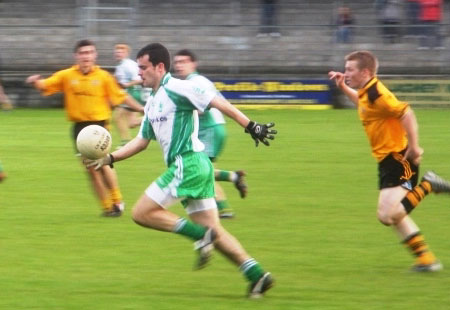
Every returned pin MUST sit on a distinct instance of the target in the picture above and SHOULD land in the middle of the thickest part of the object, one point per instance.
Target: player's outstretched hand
(261, 132)
(338, 77)
(98, 163)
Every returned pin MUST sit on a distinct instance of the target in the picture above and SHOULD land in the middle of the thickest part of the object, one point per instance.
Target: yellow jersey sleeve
(53, 84)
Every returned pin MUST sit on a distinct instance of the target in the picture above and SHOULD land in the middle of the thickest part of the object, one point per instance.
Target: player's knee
(385, 218)
(138, 216)
(146, 217)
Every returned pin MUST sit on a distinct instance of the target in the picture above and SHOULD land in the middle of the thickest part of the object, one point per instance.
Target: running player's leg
(391, 211)
(112, 183)
(122, 120)
(104, 181)
(236, 177)
(214, 138)
(151, 212)
(224, 242)
(100, 189)
(414, 241)
(260, 281)
(400, 195)
(135, 119)
(222, 204)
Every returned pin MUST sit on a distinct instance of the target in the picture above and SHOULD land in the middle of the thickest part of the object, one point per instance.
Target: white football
(94, 142)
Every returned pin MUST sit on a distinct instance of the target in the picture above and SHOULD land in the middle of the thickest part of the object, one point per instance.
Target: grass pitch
(309, 219)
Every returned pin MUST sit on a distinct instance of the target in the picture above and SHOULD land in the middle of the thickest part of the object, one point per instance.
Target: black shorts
(78, 126)
(394, 171)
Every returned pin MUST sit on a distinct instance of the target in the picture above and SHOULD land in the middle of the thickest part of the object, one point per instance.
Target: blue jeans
(343, 34)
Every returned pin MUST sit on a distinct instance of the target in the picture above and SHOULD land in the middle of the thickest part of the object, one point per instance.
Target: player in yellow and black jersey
(89, 94)
(392, 129)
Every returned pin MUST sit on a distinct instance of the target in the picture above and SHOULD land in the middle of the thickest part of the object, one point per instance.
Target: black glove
(261, 132)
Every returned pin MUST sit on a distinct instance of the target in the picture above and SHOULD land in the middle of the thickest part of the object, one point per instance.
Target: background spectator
(390, 15)
(269, 19)
(412, 17)
(344, 22)
(430, 18)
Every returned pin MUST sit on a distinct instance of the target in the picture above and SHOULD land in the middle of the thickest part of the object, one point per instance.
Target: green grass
(309, 219)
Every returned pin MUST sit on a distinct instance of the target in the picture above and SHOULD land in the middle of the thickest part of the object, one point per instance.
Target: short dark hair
(186, 52)
(82, 43)
(157, 53)
(365, 60)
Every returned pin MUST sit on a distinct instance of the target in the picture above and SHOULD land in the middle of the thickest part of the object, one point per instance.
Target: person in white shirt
(212, 131)
(127, 75)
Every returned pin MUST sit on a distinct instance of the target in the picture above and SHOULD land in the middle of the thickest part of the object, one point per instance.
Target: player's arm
(118, 96)
(259, 132)
(339, 78)
(138, 144)
(130, 83)
(36, 81)
(231, 111)
(133, 147)
(409, 122)
(133, 104)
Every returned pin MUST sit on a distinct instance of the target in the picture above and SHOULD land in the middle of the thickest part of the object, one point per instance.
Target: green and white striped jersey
(171, 116)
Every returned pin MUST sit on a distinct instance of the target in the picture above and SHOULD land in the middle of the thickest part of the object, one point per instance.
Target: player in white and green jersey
(171, 118)
(212, 131)
(127, 75)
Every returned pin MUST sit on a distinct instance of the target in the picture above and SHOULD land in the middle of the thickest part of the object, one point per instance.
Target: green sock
(223, 175)
(189, 229)
(223, 204)
(252, 270)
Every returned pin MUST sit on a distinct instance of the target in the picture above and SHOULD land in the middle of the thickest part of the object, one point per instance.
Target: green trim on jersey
(180, 101)
(165, 79)
(147, 130)
(183, 123)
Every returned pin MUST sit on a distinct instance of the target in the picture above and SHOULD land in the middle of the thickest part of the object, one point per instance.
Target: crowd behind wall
(237, 38)
(231, 37)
